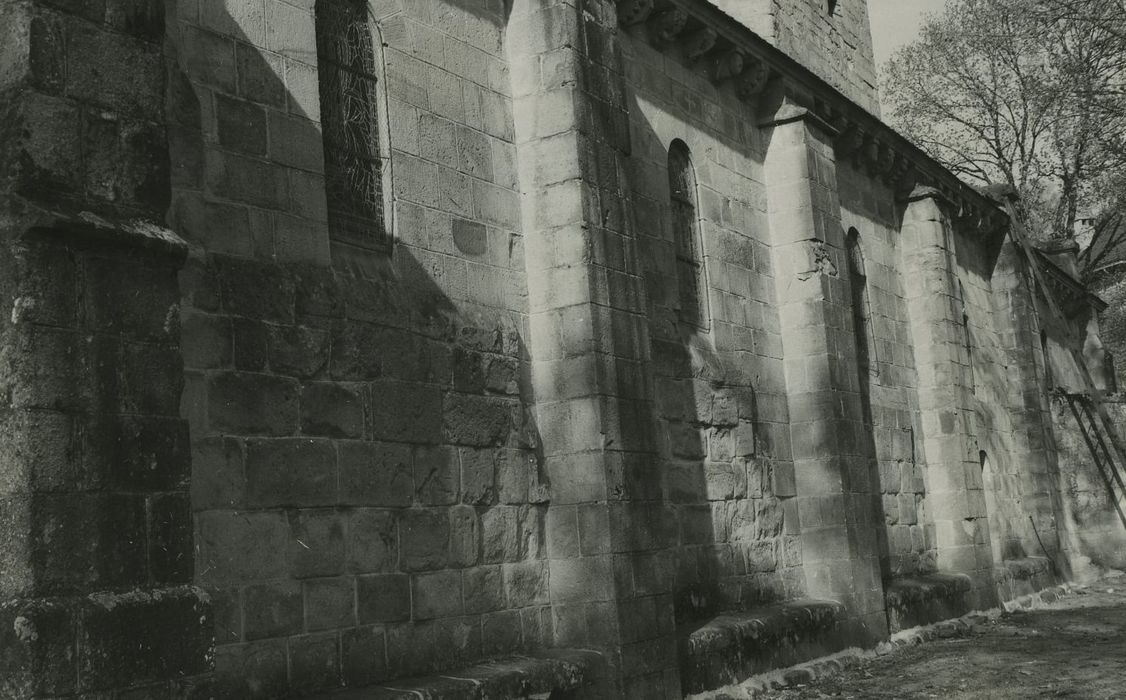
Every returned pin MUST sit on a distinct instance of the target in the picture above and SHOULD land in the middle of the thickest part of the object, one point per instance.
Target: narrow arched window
(861, 307)
(347, 60)
(691, 282)
(968, 338)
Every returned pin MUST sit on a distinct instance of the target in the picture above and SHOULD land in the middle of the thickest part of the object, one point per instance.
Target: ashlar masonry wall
(889, 386)
(365, 484)
(726, 461)
(832, 38)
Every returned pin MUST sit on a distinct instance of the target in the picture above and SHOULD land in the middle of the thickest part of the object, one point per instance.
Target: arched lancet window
(966, 335)
(347, 61)
(861, 308)
(691, 282)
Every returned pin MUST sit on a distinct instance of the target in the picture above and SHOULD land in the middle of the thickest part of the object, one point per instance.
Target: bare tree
(1022, 92)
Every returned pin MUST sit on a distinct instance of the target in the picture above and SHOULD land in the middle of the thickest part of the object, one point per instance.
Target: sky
(896, 22)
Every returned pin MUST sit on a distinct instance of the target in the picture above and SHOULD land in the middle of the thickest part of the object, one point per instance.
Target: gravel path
(1073, 648)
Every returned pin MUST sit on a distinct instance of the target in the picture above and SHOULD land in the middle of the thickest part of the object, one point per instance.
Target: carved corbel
(885, 162)
(870, 155)
(634, 11)
(728, 65)
(906, 181)
(666, 25)
(752, 81)
(849, 142)
(699, 43)
(902, 174)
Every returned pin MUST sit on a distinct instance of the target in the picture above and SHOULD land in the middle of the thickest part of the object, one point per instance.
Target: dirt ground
(1074, 648)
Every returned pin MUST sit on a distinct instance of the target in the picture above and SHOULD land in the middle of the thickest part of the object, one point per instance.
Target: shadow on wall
(363, 440)
(724, 530)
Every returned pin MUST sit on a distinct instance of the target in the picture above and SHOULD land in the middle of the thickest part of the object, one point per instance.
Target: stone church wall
(365, 483)
(832, 38)
(727, 466)
(890, 386)
(321, 464)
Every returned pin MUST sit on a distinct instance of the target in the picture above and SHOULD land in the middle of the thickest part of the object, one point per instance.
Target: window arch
(967, 336)
(861, 306)
(691, 281)
(348, 59)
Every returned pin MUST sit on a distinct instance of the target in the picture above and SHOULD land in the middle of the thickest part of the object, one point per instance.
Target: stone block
(84, 541)
(357, 351)
(383, 598)
(482, 589)
(425, 539)
(170, 539)
(290, 32)
(332, 410)
(329, 603)
(526, 583)
(478, 481)
(37, 648)
(247, 180)
(376, 474)
(46, 57)
(363, 656)
(245, 21)
(501, 633)
(112, 304)
(241, 403)
(373, 541)
(257, 670)
(123, 639)
(469, 237)
(465, 536)
(226, 609)
(406, 412)
(316, 543)
(298, 351)
(241, 125)
(149, 379)
(314, 662)
(261, 76)
(122, 75)
(477, 421)
(436, 475)
(595, 535)
(290, 471)
(51, 145)
(242, 546)
(512, 533)
(138, 453)
(218, 480)
(302, 94)
(296, 142)
(273, 610)
(517, 476)
(207, 341)
(436, 594)
(468, 371)
(255, 290)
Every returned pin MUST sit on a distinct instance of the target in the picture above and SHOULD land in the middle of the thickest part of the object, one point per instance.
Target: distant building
(352, 345)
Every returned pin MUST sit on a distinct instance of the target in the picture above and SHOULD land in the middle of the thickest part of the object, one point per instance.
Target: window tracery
(347, 60)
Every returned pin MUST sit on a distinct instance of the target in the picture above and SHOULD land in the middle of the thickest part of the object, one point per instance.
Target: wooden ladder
(1090, 412)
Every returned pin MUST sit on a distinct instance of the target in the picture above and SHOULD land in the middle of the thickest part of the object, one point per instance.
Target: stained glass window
(686, 232)
(346, 57)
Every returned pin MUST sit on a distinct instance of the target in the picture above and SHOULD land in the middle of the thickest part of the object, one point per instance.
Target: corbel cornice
(730, 54)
